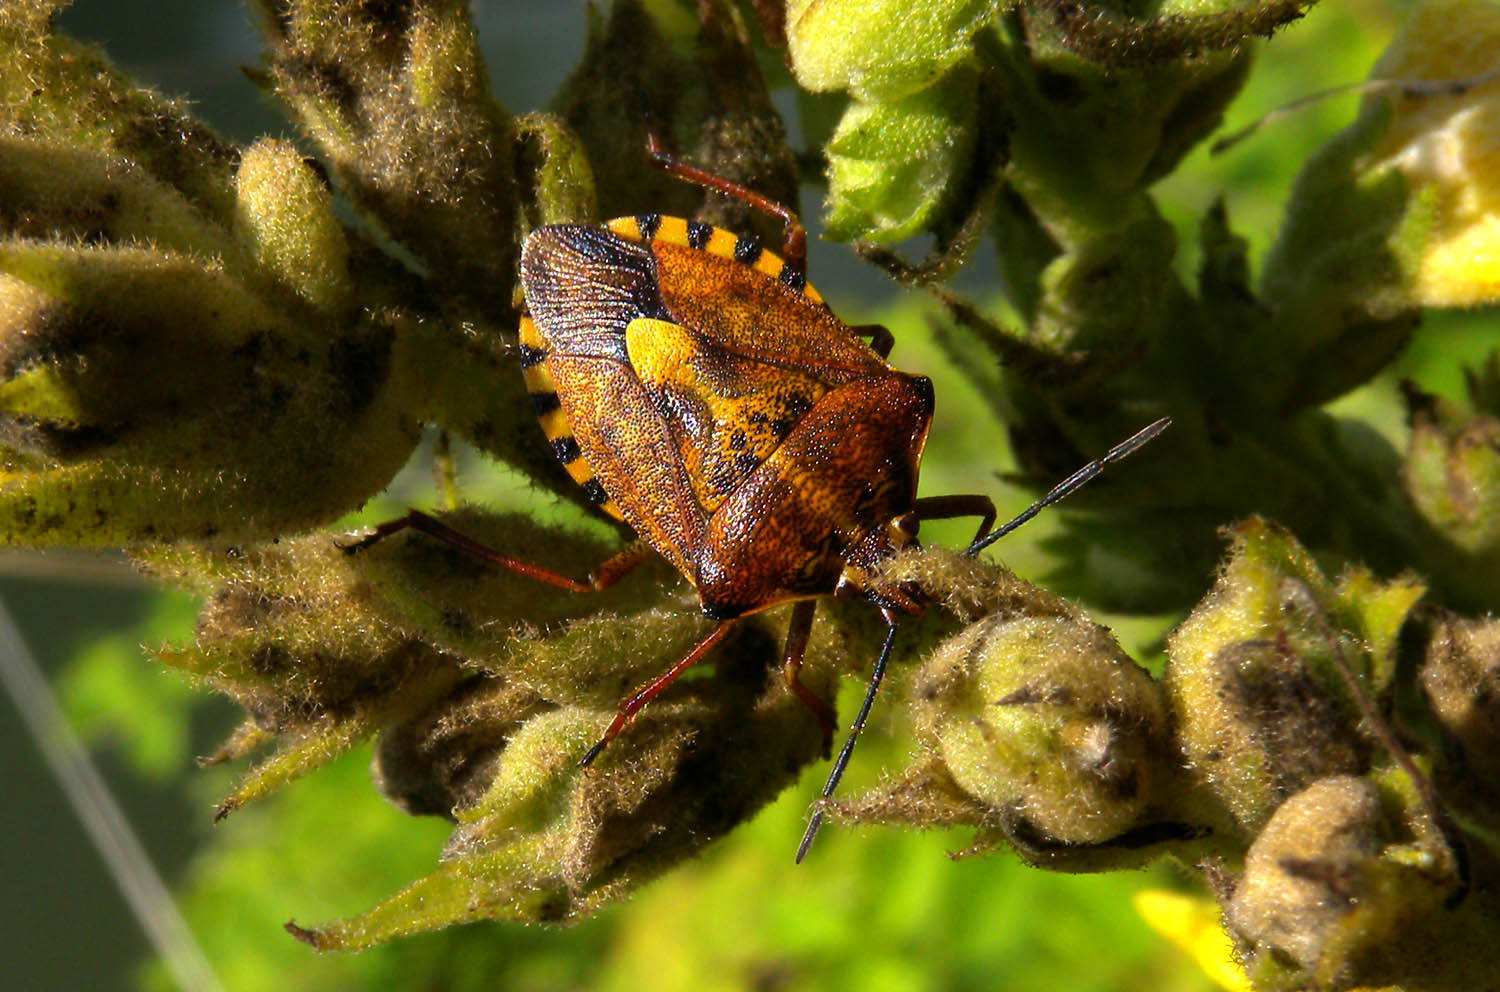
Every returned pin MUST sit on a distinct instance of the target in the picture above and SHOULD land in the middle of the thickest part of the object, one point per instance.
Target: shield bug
(697, 387)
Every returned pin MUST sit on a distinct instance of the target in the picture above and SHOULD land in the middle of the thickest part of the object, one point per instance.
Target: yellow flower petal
(1192, 924)
(1446, 142)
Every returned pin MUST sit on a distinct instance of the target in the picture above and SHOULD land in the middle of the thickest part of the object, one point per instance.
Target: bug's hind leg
(798, 630)
(606, 575)
(794, 235)
(631, 705)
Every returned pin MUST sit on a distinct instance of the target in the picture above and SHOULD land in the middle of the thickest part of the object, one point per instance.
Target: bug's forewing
(628, 445)
(848, 468)
(583, 287)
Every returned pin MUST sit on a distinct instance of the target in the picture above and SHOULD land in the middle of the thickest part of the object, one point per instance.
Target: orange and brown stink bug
(700, 390)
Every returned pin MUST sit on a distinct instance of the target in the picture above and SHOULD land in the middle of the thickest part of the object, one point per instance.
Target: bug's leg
(799, 628)
(881, 338)
(602, 578)
(948, 507)
(794, 235)
(632, 704)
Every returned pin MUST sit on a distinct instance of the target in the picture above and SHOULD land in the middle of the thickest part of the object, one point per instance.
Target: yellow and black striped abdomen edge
(646, 228)
(549, 413)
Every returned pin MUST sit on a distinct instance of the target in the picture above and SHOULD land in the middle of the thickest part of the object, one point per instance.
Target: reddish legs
(606, 575)
(799, 628)
(948, 507)
(881, 338)
(794, 235)
(632, 704)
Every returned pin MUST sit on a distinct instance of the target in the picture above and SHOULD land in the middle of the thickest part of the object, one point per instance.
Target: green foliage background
(880, 910)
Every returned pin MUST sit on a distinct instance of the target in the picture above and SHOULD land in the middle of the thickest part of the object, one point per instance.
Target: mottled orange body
(703, 393)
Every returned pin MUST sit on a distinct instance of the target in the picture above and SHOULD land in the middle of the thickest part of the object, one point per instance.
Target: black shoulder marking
(792, 277)
(545, 403)
(698, 234)
(584, 285)
(532, 357)
(648, 223)
(595, 492)
(566, 449)
(747, 249)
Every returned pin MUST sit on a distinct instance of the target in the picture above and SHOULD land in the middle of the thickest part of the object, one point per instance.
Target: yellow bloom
(1446, 141)
(1192, 924)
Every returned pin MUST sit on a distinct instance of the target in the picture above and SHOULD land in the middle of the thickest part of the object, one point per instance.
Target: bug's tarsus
(630, 706)
(794, 235)
(1075, 481)
(837, 772)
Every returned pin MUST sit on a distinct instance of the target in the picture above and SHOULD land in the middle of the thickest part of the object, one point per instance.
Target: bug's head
(864, 561)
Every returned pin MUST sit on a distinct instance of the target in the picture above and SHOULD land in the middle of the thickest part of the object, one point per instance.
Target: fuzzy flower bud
(284, 219)
(1336, 896)
(1452, 471)
(1461, 681)
(1036, 729)
(1253, 673)
(1045, 722)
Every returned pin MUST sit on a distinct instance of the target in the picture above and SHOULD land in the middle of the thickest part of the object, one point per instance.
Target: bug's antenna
(837, 771)
(1073, 482)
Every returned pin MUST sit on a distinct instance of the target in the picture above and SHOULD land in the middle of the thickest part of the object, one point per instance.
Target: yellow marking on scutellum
(674, 231)
(555, 422)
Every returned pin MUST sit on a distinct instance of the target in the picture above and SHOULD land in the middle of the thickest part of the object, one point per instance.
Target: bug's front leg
(794, 235)
(966, 505)
(881, 338)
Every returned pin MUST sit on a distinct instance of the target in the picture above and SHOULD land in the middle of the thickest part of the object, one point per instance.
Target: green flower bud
(562, 185)
(284, 220)
(1047, 724)
(548, 841)
(52, 190)
(892, 164)
(408, 130)
(444, 759)
(1036, 729)
(1255, 678)
(1452, 472)
(1332, 897)
(881, 50)
(154, 395)
(651, 58)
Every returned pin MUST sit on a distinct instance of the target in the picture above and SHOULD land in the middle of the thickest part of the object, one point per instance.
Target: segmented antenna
(837, 772)
(1073, 482)
(1058, 492)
